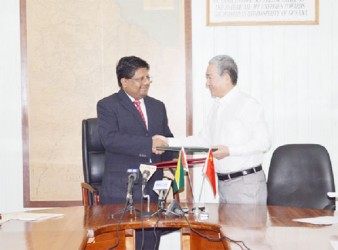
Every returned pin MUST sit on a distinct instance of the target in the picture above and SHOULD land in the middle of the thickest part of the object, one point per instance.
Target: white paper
(321, 220)
(28, 216)
(332, 194)
(334, 244)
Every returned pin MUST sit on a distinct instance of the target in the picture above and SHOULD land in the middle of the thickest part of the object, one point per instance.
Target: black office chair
(93, 162)
(93, 157)
(300, 175)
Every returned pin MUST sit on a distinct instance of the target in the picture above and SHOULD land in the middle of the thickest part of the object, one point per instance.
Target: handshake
(159, 141)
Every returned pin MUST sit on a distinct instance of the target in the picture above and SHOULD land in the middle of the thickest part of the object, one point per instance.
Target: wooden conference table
(259, 227)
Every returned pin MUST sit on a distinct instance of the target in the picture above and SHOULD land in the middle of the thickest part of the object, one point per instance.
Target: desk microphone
(147, 172)
(131, 180)
(162, 187)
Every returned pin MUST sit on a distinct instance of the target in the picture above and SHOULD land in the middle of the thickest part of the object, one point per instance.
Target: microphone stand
(129, 199)
(161, 203)
(162, 210)
(146, 196)
(129, 207)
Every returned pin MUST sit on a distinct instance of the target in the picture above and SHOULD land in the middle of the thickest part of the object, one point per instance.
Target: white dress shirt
(236, 121)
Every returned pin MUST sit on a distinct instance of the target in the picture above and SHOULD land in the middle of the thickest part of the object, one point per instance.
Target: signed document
(186, 149)
(191, 160)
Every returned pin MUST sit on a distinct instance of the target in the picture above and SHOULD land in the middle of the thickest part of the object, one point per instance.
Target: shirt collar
(229, 96)
(133, 99)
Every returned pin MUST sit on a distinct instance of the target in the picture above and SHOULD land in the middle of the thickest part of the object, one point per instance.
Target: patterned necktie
(138, 107)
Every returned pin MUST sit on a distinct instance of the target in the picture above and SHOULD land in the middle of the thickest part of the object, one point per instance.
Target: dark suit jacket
(128, 143)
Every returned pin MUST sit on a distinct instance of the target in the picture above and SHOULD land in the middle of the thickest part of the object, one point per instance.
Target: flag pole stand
(199, 198)
(199, 206)
(190, 184)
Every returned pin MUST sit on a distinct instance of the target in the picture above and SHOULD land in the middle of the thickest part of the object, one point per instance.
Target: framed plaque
(262, 12)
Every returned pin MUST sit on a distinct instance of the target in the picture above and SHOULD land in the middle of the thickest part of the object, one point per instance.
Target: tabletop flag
(182, 167)
(209, 171)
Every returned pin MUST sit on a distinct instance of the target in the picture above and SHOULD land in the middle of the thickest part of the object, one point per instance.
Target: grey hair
(226, 64)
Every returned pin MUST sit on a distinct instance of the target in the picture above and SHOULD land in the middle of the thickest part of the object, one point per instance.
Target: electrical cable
(155, 226)
(119, 225)
(142, 225)
(239, 243)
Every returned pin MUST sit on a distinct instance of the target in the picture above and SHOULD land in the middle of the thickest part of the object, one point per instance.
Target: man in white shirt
(237, 128)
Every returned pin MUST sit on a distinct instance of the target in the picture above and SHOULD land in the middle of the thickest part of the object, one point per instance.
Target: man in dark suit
(130, 136)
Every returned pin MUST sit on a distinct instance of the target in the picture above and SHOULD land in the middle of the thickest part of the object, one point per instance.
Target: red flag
(209, 171)
(184, 160)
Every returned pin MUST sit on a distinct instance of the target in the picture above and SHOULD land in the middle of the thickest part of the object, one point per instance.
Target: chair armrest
(86, 189)
(330, 207)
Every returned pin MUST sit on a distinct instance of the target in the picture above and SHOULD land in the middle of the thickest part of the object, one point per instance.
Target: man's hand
(159, 141)
(221, 152)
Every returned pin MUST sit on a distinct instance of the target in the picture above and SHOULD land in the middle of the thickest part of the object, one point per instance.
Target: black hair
(127, 67)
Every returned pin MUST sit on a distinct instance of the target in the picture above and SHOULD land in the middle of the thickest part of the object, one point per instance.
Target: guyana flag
(182, 167)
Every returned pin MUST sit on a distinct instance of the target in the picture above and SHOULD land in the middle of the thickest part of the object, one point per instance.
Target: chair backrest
(93, 154)
(300, 175)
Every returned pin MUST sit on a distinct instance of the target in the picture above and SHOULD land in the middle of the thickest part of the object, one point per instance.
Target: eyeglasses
(143, 79)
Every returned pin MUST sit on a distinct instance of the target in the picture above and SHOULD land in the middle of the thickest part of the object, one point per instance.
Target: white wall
(291, 70)
(11, 193)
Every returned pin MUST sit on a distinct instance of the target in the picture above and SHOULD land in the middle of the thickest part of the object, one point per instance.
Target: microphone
(332, 194)
(162, 188)
(147, 172)
(131, 180)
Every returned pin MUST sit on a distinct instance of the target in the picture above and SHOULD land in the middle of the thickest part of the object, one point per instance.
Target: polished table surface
(259, 227)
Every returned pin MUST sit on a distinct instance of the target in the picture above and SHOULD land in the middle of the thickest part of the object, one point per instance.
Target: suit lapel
(149, 108)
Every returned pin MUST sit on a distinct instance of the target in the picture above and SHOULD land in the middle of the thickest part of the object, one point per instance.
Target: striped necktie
(138, 107)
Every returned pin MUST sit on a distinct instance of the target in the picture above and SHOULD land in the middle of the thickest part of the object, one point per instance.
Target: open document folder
(191, 160)
(173, 164)
(186, 149)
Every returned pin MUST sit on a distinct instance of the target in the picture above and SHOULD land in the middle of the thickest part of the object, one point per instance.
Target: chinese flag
(209, 171)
